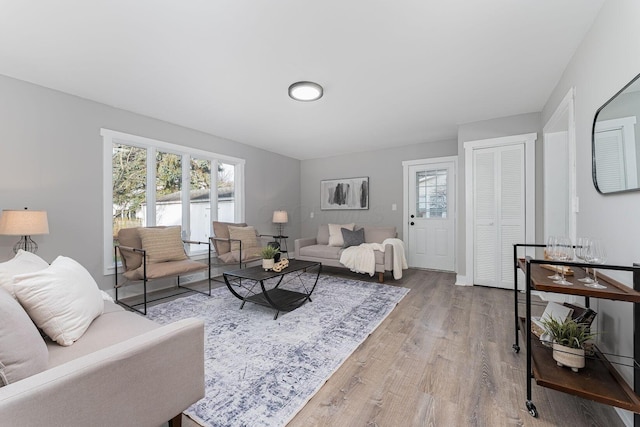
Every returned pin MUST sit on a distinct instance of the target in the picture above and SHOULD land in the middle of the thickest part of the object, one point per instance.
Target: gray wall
(51, 159)
(384, 169)
(606, 60)
(487, 129)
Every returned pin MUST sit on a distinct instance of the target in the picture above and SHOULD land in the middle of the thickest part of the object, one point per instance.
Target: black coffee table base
(283, 291)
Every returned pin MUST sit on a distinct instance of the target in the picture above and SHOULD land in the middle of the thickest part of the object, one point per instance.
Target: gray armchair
(235, 245)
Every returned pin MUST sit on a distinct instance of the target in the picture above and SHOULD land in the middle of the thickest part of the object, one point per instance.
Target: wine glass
(552, 245)
(596, 254)
(564, 252)
(582, 246)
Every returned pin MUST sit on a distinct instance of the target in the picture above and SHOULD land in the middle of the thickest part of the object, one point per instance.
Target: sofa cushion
(246, 235)
(378, 234)
(113, 326)
(62, 299)
(162, 244)
(321, 251)
(352, 238)
(335, 233)
(22, 350)
(23, 262)
(323, 234)
(221, 230)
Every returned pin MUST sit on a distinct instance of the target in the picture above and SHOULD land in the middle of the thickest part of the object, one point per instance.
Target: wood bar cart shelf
(598, 380)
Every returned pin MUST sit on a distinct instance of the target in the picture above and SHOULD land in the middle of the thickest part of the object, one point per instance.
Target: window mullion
(151, 187)
(186, 196)
(214, 192)
(239, 191)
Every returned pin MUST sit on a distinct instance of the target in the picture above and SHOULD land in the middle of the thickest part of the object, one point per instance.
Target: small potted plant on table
(569, 338)
(268, 254)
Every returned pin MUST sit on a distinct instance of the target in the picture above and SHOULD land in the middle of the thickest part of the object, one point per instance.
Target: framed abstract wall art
(344, 193)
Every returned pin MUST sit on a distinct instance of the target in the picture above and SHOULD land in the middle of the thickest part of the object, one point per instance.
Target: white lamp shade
(280, 217)
(23, 223)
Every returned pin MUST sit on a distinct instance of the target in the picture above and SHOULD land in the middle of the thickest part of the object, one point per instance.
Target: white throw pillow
(335, 233)
(23, 262)
(62, 299)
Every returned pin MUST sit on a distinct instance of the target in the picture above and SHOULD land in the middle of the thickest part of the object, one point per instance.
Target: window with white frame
(149, 182)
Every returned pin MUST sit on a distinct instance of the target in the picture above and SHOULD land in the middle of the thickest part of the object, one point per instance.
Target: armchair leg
(381, 276)
(176, 421)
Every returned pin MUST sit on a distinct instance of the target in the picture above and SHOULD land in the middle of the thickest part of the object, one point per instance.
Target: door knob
(412, 223)
(413, 216)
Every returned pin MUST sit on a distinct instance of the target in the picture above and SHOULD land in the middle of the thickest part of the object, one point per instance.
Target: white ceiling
(394, 72)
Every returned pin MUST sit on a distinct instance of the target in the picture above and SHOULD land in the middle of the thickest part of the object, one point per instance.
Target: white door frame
(564, 118)
(530, 193)
(405, 199)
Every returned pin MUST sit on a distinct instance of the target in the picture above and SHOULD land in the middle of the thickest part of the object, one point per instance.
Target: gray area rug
(260, 371)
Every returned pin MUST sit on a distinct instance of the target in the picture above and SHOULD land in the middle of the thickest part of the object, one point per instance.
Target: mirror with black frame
(616, 143)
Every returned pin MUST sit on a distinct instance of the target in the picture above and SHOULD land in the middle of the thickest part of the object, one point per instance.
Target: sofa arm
(143, 381)
(388, 257)
(301, 243)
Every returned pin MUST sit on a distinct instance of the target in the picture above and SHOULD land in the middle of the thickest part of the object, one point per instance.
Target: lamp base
(27, 244)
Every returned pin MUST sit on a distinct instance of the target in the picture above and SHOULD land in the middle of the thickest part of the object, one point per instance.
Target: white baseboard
(462, 280)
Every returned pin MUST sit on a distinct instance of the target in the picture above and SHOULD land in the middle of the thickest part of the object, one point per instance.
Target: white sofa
(118, 369)
(318, 248)
(125, 370)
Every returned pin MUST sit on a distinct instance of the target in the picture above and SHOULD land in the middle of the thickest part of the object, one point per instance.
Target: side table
(282, 241)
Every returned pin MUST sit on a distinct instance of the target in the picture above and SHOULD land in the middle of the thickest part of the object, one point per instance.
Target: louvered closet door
(499, 212)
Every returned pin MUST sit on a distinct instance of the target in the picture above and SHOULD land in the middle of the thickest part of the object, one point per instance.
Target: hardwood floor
(442, 358)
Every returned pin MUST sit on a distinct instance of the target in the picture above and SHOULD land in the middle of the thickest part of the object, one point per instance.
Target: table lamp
(24, 223)
(280, 218)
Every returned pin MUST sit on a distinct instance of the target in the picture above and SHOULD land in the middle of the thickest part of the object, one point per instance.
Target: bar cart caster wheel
(532, 409)
(516, 348)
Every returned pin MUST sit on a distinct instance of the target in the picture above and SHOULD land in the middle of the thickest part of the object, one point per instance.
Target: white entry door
(431, 211)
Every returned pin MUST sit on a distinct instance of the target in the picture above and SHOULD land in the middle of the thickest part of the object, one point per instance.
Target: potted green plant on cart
(569, 338)
(268, 254)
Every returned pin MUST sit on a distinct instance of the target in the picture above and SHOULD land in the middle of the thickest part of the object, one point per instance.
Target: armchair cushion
(22, 350)
(62, 299)
(221, 230)
(162, 244)
(246, 235)
(166, 269)
(249, 254)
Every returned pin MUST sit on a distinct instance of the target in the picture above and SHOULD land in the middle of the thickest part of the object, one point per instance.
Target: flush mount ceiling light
(305, 91)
